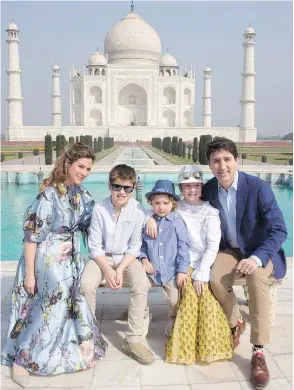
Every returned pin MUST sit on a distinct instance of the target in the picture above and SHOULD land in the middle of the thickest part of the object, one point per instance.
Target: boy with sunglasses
(115, 238)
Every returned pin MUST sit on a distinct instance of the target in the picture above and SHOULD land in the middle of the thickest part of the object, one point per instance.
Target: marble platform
(117, 371)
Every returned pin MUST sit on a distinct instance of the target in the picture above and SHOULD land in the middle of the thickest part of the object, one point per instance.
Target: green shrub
(195, 150)
(36, 152)
(264, 159)
(244, 156)
(48, 150)
(204, 140)
(20, 154)
(2, 157)
(180, 147)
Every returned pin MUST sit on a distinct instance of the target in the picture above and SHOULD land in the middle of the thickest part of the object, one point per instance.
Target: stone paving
(117, 371)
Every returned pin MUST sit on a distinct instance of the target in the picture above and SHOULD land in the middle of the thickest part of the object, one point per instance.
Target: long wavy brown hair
(58, 176)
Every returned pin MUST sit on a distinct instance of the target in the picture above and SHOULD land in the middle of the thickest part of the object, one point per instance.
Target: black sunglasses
(118, 187)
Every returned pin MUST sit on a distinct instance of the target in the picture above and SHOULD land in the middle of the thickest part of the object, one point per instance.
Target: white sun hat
(190, 174)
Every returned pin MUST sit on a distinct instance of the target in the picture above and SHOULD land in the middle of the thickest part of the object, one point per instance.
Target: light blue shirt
(228, 202)
(109, 234)
(169, 252)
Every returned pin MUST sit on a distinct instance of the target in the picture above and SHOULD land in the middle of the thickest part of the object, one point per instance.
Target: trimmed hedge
(48, 150)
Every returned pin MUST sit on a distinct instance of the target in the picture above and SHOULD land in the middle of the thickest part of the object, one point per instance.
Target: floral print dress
(54, 331)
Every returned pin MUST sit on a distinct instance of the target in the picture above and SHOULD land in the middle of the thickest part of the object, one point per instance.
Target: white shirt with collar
(203, 225)
(228, 202)
(116, 235)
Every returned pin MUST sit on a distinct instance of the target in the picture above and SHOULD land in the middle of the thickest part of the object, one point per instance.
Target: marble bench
(273, 286)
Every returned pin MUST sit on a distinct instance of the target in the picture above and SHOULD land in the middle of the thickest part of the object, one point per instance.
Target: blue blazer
(260, 225)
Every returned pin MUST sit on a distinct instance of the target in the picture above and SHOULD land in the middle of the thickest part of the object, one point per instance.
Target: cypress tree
(58, 146)
(100, 144)
(180, 147)
(195, 150)
(48, 150)
(184, 150)
(189, 151)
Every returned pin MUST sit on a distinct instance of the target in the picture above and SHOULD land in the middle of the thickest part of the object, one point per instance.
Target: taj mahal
(132, 93)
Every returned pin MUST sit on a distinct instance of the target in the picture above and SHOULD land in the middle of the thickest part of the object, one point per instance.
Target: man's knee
(215, 279)
(257, 279)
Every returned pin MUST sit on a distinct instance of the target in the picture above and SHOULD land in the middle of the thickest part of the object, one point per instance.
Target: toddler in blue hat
(166, 258)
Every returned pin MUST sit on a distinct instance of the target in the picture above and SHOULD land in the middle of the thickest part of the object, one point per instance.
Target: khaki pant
(137, 280)
(223, 275)
(171, 296)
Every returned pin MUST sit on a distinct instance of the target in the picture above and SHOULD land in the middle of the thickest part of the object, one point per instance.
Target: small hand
(30, 284)
(198, 285)
(119, 277)
(147, 266)
(182, 280)
(247, 266)
(110, 277)
(151, 228)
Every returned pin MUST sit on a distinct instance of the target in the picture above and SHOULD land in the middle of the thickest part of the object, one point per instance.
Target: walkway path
(109, 159)
(160, 160)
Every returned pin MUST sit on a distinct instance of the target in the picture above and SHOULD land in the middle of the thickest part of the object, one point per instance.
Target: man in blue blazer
(253, 230)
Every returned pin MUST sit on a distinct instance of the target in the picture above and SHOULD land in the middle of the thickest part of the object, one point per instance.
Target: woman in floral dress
(51, 327)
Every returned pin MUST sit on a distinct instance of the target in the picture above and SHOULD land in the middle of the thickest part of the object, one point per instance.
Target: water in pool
(15, 199)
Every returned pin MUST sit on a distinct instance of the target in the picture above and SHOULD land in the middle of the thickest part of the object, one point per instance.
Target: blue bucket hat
(165, 187)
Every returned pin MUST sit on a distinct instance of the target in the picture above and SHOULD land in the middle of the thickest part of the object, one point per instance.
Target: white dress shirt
(109, 234)
(228, 202)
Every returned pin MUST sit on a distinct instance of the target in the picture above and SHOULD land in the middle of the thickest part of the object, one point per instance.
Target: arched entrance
(132, 109)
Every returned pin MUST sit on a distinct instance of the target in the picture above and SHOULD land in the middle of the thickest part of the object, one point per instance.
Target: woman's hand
(198, 285)
(147, 266)
(182, 280)
(151, 228)
(29, 284)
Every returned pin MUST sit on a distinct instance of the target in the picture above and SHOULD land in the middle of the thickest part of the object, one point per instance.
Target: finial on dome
(97, 48)
(167, 49)
(132, 6)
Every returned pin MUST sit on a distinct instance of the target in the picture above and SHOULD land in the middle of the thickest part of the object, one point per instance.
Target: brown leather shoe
(259, 371)
(240, 328)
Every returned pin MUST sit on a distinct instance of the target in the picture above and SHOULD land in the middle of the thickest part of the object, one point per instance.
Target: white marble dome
(97, 59)
(168, 60)
(132, 39)
(55, 67)
(12, 26)
(249, 30)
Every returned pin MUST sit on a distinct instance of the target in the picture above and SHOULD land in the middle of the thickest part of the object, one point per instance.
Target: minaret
(56, 96)
(14, 89)
(248, 81)
(206, 113)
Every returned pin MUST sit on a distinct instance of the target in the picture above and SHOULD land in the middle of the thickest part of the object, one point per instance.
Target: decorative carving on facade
(143, 82)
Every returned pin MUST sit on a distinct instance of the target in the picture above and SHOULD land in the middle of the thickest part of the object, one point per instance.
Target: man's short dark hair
(122, 172)
(219, 143)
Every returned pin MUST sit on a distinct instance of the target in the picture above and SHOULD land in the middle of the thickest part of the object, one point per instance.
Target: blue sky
(206, 33)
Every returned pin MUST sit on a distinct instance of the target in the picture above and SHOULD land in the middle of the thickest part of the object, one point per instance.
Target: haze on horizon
(205, 33)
